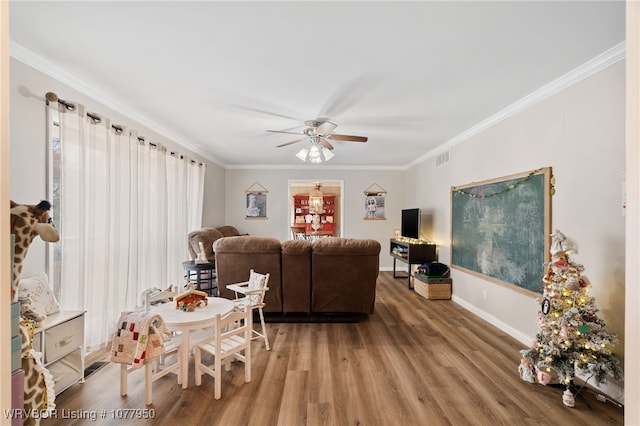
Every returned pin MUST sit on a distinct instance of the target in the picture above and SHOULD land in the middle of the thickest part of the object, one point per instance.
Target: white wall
(27, 136)
(213, 210)
(580, 133)
(277, 183)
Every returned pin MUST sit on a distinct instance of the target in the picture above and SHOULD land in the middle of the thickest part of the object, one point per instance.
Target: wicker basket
(432, 288)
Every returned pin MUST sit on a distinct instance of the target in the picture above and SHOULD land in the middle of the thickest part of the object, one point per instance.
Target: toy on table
(191, 299)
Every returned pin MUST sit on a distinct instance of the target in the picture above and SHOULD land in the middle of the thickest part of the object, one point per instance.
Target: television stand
(412, 252)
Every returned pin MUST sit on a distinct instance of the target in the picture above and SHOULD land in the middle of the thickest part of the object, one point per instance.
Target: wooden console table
(412, 252)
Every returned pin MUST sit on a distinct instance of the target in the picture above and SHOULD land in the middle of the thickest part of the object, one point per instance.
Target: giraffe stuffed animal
(27, 222)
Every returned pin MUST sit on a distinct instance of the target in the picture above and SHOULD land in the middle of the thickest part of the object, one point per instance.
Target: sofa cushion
(228, 231)
(36, 291)
(296, 247)
(345, 247)
(296, 276)
(343, 276)
(236, 256)
(247, 244)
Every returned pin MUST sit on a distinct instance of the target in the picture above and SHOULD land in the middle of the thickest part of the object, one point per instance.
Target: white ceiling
(214, 76)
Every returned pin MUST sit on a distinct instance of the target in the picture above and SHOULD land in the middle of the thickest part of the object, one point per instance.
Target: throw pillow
(36, 289)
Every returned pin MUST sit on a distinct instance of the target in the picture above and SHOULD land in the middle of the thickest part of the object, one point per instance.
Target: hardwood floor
(414, 362)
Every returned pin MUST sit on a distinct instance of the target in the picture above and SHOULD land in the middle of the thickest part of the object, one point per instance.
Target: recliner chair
(207, 236)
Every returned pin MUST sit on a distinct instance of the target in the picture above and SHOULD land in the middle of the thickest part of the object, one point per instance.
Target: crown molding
(600, 62)
(589, 68)
(19, 52)
(322, 166)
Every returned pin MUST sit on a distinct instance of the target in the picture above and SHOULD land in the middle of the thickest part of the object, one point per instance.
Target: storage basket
(432, 288)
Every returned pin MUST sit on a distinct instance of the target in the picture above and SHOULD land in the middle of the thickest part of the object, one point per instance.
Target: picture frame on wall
(256, 205)
(374, 200)
(256, 202)
(374, 207)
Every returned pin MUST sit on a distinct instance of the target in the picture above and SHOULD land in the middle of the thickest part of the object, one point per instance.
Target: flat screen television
(410, 227)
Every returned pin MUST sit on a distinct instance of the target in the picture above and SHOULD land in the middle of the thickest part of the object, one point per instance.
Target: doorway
(332, 189)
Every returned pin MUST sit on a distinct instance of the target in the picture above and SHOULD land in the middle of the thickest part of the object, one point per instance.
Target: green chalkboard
(500, 229)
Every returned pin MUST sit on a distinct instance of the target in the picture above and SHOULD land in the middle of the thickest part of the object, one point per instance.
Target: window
(123, 206)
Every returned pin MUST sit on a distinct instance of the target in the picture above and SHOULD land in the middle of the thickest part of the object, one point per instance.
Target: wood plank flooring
(414, 362)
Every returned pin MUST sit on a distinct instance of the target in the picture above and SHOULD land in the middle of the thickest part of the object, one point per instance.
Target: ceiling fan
(319, 132)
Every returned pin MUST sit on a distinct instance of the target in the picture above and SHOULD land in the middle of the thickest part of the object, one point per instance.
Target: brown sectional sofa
(330, 275)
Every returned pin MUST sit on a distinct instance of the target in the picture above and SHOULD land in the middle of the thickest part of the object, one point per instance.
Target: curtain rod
(52, 97)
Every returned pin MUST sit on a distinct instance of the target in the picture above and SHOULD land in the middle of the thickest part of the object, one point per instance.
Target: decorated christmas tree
(572, 338)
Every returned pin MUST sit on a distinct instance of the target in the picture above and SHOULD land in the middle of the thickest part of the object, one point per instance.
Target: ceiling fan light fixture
(315, 154)
(328, 155)
(318, 132)
(303, 153)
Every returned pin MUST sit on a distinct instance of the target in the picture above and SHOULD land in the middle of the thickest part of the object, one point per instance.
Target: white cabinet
(60, 338)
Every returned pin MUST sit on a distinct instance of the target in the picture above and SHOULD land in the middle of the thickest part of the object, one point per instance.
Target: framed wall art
(374, 202)
(256, 202)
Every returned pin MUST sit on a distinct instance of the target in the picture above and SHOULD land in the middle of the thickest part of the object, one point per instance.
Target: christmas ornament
(546, 306)
(527, 371)
(584, 282)
(561, 264)
(568, 398)
(543, 378)
(564, 331)
(573, 284)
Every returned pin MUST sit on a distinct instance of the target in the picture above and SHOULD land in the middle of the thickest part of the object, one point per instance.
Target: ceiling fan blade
(347, 138)
(275, 114)
(291, 143)
(385, 120)
(326, 128)
(347, 95)
(284, 131)
(325, 143)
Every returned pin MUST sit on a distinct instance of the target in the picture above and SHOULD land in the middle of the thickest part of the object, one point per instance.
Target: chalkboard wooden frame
(501, 228)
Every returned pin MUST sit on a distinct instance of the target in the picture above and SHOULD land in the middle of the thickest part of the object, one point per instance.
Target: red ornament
(561, 263)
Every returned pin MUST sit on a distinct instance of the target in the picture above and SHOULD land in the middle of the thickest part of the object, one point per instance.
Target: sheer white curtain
(185, 187)
(126, 206)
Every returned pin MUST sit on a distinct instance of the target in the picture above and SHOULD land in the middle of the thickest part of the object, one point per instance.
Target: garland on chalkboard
(509, 187)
